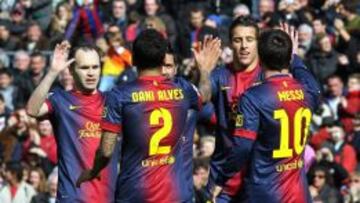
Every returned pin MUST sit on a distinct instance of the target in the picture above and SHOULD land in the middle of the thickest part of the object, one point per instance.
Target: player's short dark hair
(83, 47)
(149, 49)
(275, 48)
(15, 168)
(245, 21)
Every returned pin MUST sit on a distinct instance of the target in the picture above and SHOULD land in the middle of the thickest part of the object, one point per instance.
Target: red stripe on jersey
(245, 134)
(49, 105)
(107, 126)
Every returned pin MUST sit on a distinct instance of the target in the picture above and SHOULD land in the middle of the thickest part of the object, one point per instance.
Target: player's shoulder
(219, 71)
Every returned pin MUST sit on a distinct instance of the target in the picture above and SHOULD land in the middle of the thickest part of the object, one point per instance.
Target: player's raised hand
(294, 36)
(85, 176)
(207, 54)
(60, 60)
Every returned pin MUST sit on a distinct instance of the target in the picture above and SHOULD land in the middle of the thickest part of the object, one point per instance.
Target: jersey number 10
(300, 132)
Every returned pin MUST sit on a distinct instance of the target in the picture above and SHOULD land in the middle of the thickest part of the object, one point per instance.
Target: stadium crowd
(329, 44)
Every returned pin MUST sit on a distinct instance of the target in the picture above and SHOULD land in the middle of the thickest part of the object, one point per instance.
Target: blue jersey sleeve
(302, 74)
(245, 134)
(214, 83)
(191, 92)
(52, 99)
(112, 120)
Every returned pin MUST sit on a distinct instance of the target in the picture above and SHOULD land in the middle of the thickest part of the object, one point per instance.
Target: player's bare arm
(102, 157)
(36, 106)
(206, 58)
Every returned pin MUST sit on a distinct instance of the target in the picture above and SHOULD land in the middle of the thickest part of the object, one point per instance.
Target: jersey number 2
(302, 117)
(160, 134)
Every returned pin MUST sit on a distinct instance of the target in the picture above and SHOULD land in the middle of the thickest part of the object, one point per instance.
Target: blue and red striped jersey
(76, 119)
(151, 113)
(272, 127)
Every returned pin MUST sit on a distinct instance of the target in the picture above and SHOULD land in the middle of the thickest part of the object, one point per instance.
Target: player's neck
(270, 73)
(242, 68)
(152, 72)
(83, 91)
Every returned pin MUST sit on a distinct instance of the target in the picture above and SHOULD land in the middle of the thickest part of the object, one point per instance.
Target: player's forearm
(38, 97)
(105, 151)
(237, 159)
(205, 85)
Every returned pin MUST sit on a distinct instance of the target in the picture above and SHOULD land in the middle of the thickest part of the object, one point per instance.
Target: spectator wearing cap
(15, 190)
(7, 42)
(34, 39)
(39, 11)
(350, 104)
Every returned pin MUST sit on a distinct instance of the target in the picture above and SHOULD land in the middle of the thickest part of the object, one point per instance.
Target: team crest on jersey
(239, 121)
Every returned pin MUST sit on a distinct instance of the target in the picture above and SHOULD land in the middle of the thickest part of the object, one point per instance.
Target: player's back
(154, 113)
(276, 173)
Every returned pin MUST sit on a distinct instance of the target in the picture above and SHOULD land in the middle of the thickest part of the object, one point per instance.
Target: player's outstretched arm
(206, 57)
(102, 157)
(36, 106)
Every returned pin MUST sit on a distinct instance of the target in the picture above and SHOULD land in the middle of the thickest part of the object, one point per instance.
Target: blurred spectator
(15, 190)
(117, 59)
(352, 193)
(320, 28)
(47, 140)
(12, 137)
(345, 154)
(200, 175)
(240, 10)
(118, 15)
(59, 21)
(34, 39)
(265, 7)
(7, 42)
(37, 68)
(347, 8)
(154, 8)
(39, 11)
(153, 22)
(323, 62)
(207, 146)
(37, 179)
(320, 186)
(350, 104)
(5, 7)
(10, 92)
(18, 23)
(4, 113)
(335, 91)
(66, 80)
(305, 39)
(50, 195)
(354, 137)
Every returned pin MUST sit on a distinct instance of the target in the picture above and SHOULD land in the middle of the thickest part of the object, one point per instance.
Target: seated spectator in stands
(4, 113)
(348, 10)
(155, 8)
(319, 26)
(305, 40)
(153, 22)
(118, 15)
(352, 191)
(240, 10)
(354, 137)
(207, 146)
(266, 7)
(59, 22)
(7, 42)
(34, 39)
(15, 190)
(18, 22)
(117, 60)
(66, 80)
(37, 179)
(321, 186)
(47, 140)
(8, 90)
(50, 195)
(200, 176)
(37, 68)
(335, 91)
(345, 154)
(39, 11)
(350, 104)
(323, 62)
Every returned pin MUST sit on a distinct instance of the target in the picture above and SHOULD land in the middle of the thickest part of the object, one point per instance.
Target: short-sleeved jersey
(227, 86)
(151, 113)
(276, 115)
(76, 119)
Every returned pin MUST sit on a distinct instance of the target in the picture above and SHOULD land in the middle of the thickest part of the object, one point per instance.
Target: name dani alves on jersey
(157, 95)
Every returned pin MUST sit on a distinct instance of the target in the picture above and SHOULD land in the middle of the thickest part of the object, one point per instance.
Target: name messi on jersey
(160, 95)
(290, 95)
